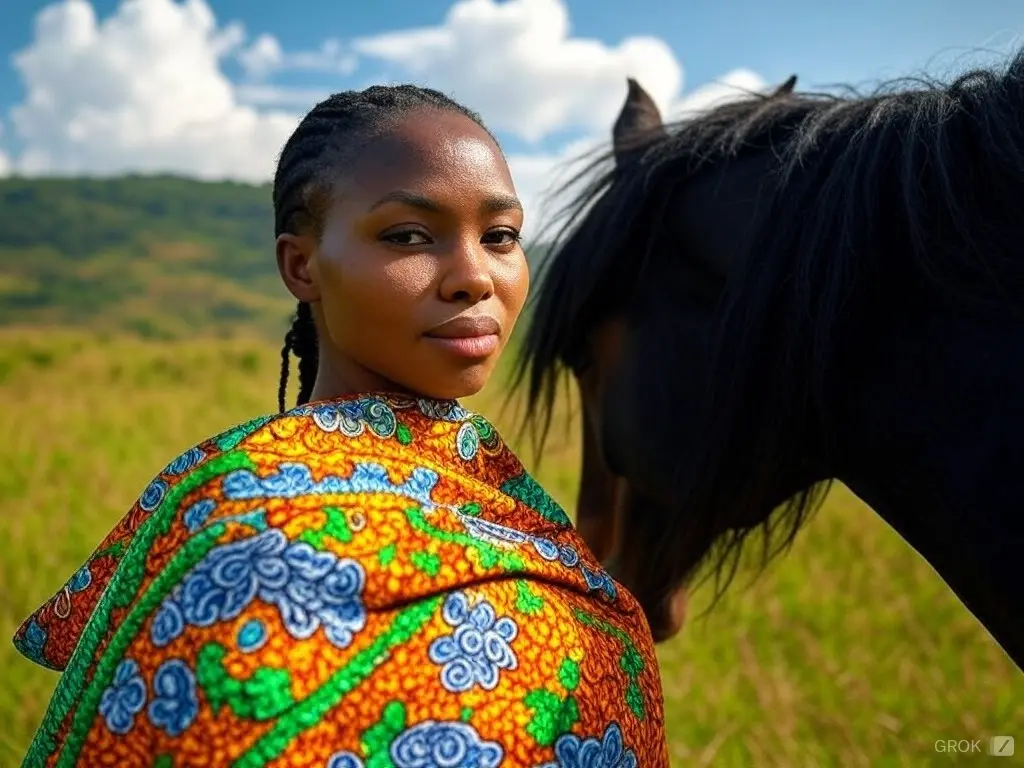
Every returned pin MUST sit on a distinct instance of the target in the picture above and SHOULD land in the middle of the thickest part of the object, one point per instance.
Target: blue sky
(825, 42)
(148, 93)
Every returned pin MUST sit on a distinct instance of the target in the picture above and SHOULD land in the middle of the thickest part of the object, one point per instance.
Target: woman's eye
(503, 237)
(407, 237)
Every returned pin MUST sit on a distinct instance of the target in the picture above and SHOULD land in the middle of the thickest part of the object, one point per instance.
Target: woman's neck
(336, 379)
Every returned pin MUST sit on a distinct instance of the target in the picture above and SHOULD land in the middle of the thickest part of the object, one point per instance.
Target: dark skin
(423, 229)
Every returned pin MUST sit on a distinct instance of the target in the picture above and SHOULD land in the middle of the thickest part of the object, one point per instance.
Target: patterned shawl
(363, 582)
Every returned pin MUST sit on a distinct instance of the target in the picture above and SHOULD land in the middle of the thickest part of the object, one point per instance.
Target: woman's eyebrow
(491, 204)
(501, 204)
(408, 198)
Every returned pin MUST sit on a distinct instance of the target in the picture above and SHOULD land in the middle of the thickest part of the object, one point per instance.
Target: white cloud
(265, 57)
(144, 89)
(262, 95)
(262, 57)
(737, 84)
(539, 176)
(141, 90)
(518, 65)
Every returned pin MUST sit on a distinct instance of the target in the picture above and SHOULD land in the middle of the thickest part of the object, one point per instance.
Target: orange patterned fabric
(367, 582)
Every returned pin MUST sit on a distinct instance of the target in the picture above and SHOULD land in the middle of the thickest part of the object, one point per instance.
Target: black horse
(790, 289)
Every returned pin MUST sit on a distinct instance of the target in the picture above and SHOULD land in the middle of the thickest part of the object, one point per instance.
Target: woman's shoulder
(294, 469)
(335, 540)
(402, 430)
(427, 443)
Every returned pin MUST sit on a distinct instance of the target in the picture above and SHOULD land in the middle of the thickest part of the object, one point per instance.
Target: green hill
(159, 256)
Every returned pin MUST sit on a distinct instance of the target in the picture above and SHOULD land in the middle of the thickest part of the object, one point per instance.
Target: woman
(370, 578)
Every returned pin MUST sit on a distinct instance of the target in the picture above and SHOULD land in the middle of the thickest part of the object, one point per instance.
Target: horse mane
(930, 172)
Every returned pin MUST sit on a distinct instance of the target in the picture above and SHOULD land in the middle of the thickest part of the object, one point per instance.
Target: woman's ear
(297, 265)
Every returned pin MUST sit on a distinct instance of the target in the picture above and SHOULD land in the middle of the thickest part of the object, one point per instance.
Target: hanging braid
(302, 342)
(322, 144)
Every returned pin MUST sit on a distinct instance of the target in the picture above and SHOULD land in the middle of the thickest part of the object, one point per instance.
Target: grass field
(848, 651)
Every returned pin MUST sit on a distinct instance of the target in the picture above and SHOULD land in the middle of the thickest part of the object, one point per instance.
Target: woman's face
(419, 276)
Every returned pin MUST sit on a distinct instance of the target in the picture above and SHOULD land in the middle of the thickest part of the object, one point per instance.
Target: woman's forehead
(432, 148)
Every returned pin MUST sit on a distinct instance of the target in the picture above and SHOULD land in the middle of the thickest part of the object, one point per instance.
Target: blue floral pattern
(168, 623)
(153, 495)
(352, 417)
(252, 636)
(549, 550)
(432, 744)
(311, 589)
(33, 642)
(599, 581)
(196, 515)
(442, 410)
(80, 580)
(476, 431)
(344, 760)
(607, 752)
(293, 479)
(186, 461)
(467, 441)
(124, 698)
(175, 702)
(478, 649)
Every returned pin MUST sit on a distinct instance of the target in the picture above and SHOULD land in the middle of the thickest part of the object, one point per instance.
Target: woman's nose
(468, 278)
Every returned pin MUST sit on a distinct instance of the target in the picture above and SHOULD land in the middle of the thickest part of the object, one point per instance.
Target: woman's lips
(471, 336)
(468, 346)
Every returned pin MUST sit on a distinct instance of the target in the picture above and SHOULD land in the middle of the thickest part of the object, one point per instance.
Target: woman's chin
(458, 385)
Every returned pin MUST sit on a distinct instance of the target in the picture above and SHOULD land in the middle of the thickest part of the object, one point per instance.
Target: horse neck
(932, 414)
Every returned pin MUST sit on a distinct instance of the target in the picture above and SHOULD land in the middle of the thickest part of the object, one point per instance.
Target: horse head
(627, 510)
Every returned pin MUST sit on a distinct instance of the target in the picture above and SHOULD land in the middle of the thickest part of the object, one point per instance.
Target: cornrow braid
(300, 340)
(320, 147)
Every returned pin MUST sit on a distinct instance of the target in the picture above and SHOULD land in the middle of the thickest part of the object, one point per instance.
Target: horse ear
(786, 87)
(638, 123)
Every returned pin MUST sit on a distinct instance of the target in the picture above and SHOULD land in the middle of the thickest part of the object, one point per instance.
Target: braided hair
(323, 142)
